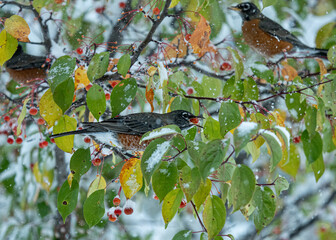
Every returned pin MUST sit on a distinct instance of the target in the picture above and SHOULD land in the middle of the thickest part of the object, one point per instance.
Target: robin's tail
(318, 52)
(82, 131)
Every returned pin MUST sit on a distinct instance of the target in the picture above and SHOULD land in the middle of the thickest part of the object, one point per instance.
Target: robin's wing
(278, 31)
(25, 61)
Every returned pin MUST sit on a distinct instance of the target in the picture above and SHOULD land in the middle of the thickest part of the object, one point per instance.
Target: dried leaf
(177, 48)
(200, 38)
(81, 78)
(150, 97)
(288, 72)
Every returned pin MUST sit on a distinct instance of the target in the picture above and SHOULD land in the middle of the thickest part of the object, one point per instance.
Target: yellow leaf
(173, 3)
(18, 28)
(98, 183)
(131, 177)
(47, 179)
(8, 46)
(151, 71)
(49, 110)
(70, 178)
(37, 173)
(288, 72)
(177, 48)
(81, 78)
(200, 38)
(65, 124)
(21, 117)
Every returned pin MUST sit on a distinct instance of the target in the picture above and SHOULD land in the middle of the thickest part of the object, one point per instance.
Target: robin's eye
(245, 7)
(185, 115)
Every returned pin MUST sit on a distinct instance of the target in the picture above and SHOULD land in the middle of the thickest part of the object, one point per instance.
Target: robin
(25, 68)
(269, 38)
(126, 131)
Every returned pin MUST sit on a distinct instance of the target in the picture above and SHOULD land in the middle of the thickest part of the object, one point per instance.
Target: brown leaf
(288, 72)
(150, 97)
(177, 48)
(200, 38)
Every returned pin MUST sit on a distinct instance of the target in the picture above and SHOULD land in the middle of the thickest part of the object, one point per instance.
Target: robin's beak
(195, 120)
(234, 8)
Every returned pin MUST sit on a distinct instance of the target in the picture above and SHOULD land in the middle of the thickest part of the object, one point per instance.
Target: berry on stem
(129, 207)
(122, 5)
(79, 51)
(156, 11)
(10, 140)
(96, 162)
(183, 203)
(118, 211)
(6, 118)
(190, 90)
(40, 121)
(107, 96)
(33, 111)
(225, 66)
(116, 200)
(19, 140)
(87, 139)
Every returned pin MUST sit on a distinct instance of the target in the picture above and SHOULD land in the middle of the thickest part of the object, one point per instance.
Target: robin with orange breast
(126, 131)
(25, 68)
(269, 38)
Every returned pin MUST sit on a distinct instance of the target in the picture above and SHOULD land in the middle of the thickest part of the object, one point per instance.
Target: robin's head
(183, 119)
(247, 10)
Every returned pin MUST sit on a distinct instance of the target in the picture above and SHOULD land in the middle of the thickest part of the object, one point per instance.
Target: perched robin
(25, 68)
(269, 38)
(126, 131)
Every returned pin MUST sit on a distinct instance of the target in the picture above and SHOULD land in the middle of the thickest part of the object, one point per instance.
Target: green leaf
(212, 129)
(124, 64)
(160, 132)
(286, 138)
(190, 180)
(183, 235)
(251, 91)
(152, 156)
(332, 55)
(194, 150)
(253, 150)
(280, 184)
(164, 179)
(63, 94)
(14, 87)
(214, 215)
(225, 173)
(96, 101)
(233, 89)
(318, 168)
(329, 96)
(122, 95)
(211, 86)
(22, 116)
(264, 200)
(292, 164)
(242, 187)
(274, 145)
(61, 70)
(180, 103)
(237, 63)
(98, 66)
(65, 124)
(243, 134)
(295, 107)
(8, 46)
(312, 145)
(229, 117)
(67, 198)
(212, 155)
(171, 204)
(93, 207)
(324, 34)
(310, 119)
(267, 3)
(80, 162)
(202, 193)
(266, 74)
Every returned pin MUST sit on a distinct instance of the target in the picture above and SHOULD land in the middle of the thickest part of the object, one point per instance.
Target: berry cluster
(114, 212)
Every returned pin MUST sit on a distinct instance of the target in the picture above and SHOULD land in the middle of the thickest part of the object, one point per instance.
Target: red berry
(183, 203)
(187, 37)
(107, 96)
(40, 121)
(96, 162)
(112, 217)
(52, 140)
(156, 11)
(225, 66)
(156, 197)
(100, 10)
(40, 145)
(87, 88)
(116, 200)
(114, 83)
(190, 90)
(33, 111)
(128, 210)
(6, 118)
(19, 140)
(45, 143)
(129, 207)
(10, 140)
(118, 211)
(48, 60)
(79, 51)
(122, 5)
(297, 139)
(87, 139)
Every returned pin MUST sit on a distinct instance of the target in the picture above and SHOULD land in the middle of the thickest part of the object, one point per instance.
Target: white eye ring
(184, 115)
(246, 7)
